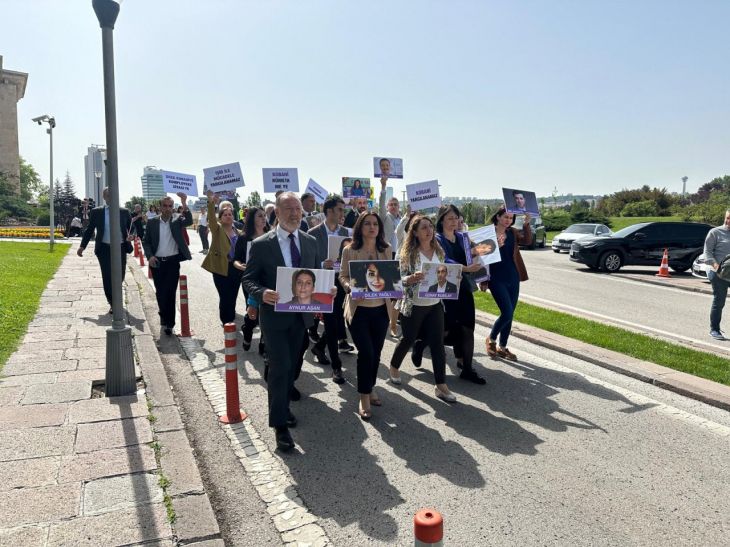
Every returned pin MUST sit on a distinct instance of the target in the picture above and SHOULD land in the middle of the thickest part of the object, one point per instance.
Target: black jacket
(177, 225)
(97, 221)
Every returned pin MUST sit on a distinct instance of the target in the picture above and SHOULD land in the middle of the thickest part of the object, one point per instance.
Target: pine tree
(57, 191)
(69, 192)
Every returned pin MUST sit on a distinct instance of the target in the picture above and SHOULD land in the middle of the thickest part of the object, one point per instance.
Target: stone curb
(706, 391)
(186, 484)
(668, 284)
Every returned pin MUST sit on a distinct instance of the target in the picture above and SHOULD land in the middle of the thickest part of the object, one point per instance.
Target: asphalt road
(557, 282)
(552, 451)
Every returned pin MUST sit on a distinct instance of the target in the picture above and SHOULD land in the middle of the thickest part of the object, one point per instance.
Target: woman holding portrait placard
(425, 314)
(368, 318)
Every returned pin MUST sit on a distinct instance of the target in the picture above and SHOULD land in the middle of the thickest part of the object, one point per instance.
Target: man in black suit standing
(441, 284)
(286, 246)
(165, 247)
(359, 206)
(99, 221)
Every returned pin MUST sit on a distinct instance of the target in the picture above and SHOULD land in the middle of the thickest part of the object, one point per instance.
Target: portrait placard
(355, 187)
(441, 281)
(276, 179)
(304, 290)
(483, 246)
(335, 246)
(423, 195)
(375, 279)
(223, 177)
(173, 183)
(319, 193)
(520, 202)
(391, 168)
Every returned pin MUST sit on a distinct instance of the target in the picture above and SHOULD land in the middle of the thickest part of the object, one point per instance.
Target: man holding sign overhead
(289, 247)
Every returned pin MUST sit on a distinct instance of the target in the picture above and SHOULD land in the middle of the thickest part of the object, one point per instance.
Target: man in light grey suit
(334, 323)
(286, 246)
(389, 214)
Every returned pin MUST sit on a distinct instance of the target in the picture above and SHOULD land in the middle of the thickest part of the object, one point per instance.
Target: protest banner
(277, 179)
(391, 168)
(441, 281)
(319, 193)
(520, 202)
(335, 246)
(375, 279)
(303, 290)
(423, 195)
(355, 187)
(223, 177)
(172, 183)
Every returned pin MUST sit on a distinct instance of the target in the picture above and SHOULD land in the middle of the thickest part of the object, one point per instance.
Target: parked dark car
(643, 245)
(539, 234)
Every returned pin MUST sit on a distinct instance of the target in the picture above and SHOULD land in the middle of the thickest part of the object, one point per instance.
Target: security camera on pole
(51, 124)
(120, 379)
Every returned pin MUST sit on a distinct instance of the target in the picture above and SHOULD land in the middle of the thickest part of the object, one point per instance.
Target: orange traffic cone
(664, 268)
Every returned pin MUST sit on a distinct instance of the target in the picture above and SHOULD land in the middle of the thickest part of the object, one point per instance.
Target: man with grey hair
(99, 221)
(717, 247)
(285, 333)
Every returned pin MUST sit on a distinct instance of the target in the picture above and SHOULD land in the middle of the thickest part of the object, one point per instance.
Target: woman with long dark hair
(255, 225)
(374, 279)
(421, 313)
(367, 318)
(505, 278)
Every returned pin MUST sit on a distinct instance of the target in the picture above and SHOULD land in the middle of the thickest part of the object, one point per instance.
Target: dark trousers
(368, 329)
(203, 233)
(227, 287)
(506, 295)
(334, 328)
(431, 320)
(300, 360)
(282, 364)
(719, 295)
(165, 277)
(103, 255)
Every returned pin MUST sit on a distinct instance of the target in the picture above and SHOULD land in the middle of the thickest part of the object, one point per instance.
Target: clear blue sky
(587, 97)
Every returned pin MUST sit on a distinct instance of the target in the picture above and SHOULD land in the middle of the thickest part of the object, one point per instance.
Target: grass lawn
(25, 270)
(642, 347)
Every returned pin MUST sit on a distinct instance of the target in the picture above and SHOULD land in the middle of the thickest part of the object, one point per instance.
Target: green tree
(30, 181)
(646, 208)
(136, 200)
(254, 200)
(69, 192)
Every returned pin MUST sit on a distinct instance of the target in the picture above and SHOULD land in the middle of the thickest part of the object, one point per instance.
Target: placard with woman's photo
(375, 279)
(356, 187)
(304, 290)
(335, 246)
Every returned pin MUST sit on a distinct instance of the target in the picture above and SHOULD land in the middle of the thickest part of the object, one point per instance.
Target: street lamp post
(97, 176)
(51, 124)
(120, 379)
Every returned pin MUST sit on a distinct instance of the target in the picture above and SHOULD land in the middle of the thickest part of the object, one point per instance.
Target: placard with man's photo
(442, 281)
(519, 202)
(335, 246)
(375, 279)
(304, 290)
(391, 168)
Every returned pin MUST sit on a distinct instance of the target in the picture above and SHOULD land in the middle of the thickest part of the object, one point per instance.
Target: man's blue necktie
(296, 257)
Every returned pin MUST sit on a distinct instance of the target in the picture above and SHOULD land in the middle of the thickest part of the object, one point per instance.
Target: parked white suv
(564, 240)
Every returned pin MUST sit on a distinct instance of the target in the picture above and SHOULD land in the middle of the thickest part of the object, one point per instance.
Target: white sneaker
(450, 397)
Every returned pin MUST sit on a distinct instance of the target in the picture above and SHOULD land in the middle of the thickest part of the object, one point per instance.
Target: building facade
(12, 89)
(152, 188)
(95, 163)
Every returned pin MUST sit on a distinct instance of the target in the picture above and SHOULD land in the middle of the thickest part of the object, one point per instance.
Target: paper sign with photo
(277, 179)
(391, 168)
(355, 187)
(319, 193)
(423, 195)
(335, 246)
(483, 248)
(304, 290)
(520, 201)
(375, 279)
(172, 183)
(441, 281)
(223, 177)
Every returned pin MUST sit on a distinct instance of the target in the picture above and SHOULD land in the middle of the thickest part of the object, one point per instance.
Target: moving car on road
(539, 234)
(565, 239)
(643, 245)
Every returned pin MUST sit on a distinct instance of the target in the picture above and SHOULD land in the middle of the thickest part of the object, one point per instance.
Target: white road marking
(629, 323)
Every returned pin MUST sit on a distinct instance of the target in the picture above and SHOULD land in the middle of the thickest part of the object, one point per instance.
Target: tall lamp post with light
(97, 176)
(51, 124)
(120, 379)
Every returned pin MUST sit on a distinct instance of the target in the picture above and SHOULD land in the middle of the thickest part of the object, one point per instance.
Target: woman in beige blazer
(368, 319)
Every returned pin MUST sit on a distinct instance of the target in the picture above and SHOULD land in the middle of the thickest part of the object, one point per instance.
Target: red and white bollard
(141, 255)
(184, 314)
(428, 528)
(136, 247)
(233, 413)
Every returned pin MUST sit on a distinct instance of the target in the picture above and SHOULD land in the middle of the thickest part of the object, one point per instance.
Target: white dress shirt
(166, 245)
(203, 219)
(285, 244)
(441, 289)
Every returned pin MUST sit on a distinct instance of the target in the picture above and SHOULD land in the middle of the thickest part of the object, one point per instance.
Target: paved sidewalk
(77, 468)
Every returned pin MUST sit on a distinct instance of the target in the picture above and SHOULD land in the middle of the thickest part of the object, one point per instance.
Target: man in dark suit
(359, 206)
(99, 221)
(286, 246)
(441, 284)
(165, 247)
(335, 334)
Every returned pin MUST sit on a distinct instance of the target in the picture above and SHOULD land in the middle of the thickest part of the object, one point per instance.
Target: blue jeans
(506, 295)
(719, 295)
